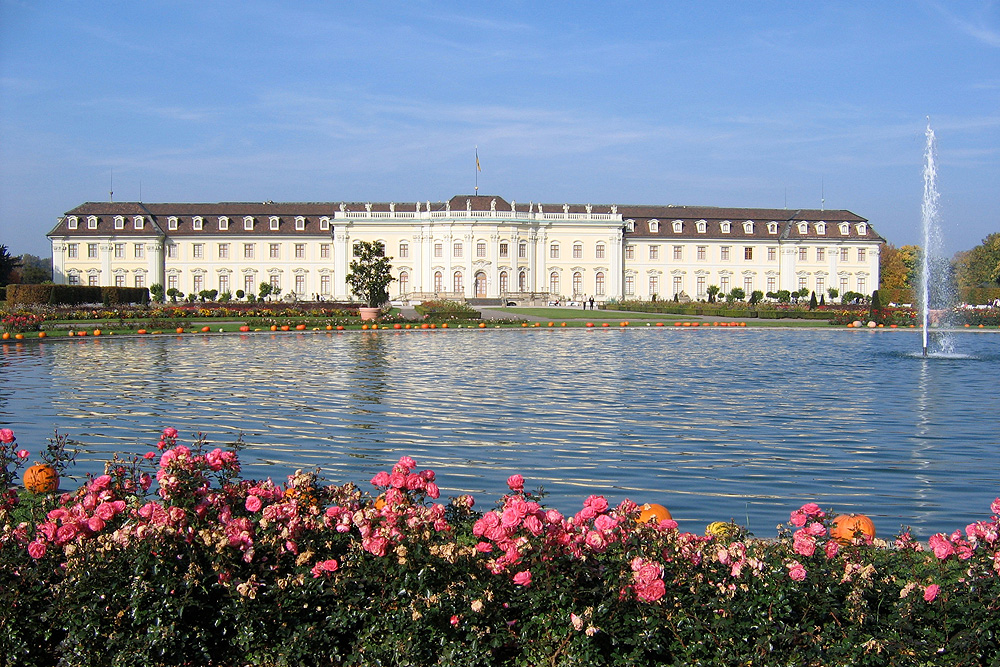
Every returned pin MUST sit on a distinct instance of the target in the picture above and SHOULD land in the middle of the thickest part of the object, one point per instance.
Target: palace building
(470, 247)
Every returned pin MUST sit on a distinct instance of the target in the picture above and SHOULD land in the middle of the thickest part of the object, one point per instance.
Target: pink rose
(832, 549)
(816, 529)
(149, 455)
(6, 436)
(37, 548)
(170, 432)
(652, 591)
(796, 570)
(432, 490)
(454, 621)
(804, 545)
(596, 503)
(407, 462)
(931, 592)
(516, 483)
(253, 504)
(523, 578)
(23, 454)
(941, 546)
(798, 518)
(995, 506)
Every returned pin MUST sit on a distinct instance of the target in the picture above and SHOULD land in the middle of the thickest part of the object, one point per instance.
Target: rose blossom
(253, 504)
(23, 454)
(6, 436)
(523, 578)
(931, 592)
(516, 483)
(37, 549)
(796, 570)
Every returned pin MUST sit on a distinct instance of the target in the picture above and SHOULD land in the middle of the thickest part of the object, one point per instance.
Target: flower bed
(215, 569)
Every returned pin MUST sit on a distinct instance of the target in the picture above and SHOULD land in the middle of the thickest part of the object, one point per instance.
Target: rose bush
(205, 567)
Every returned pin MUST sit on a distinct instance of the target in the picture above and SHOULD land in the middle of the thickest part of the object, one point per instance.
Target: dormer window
(324, 223)
(72, 222)
(630, 225)
(138, 221)
(300, 223)
(725, 227)
(845, 229)
(172, 223)
(91, 222)
(803, 228)
(701, 226)
(862, 229)
(274, 223)
(248, 222)
(821, 228)
(772, 227)
(654, 226)
(748, 227)
(119, 222)
(678, 226)
(198, 222)
(223, 223)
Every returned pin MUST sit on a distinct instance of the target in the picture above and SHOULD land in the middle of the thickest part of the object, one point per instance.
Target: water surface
(713, 423)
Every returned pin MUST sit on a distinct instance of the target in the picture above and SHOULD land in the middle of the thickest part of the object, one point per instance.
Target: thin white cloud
(978, 29)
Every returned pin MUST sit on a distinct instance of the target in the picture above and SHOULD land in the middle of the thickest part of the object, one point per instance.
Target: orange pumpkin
(653, 512)
(41, 478)
(846, 527)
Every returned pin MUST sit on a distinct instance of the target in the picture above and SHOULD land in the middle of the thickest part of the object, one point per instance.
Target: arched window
(404, 282)
(599, 283)
(554, 282)
(630, 284)
(577, 282)
(504, 282)
(522, 282)
(438, 280)
(458, 285)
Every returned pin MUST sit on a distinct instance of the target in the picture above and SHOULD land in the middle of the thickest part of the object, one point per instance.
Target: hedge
(30, 295)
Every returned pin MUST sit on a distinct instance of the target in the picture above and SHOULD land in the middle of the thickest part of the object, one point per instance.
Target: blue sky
(763, 104)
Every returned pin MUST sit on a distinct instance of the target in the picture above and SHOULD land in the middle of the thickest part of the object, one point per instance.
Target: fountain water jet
(935, 296)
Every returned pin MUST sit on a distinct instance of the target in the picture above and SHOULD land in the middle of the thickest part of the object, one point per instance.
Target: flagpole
(478, 169)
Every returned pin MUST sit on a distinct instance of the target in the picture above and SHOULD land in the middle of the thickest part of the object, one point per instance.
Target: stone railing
(459, 214)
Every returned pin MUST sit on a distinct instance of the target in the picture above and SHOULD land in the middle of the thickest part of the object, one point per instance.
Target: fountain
(935, 292)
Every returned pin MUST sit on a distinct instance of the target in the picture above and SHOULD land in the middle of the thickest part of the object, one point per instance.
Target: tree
(712, 291)
(979, 267)
(371, 273)
(35, 270)
(910, 254)
(240, 294)
(892, 270)
(736, 294)
(813, 303)
(833, 292)
(173, 293)
(264, 290)
(7, 265)
(156, 290)
(755, 297)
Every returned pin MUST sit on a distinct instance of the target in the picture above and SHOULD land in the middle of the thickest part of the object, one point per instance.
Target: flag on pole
(478, 168)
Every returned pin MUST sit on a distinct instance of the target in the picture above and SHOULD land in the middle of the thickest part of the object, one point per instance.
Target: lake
(713, 423)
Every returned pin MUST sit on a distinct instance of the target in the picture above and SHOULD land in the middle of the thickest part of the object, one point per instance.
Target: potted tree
(370, 277)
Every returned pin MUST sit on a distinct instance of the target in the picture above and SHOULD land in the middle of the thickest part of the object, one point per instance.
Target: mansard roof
(819, 224)
(785, 222)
